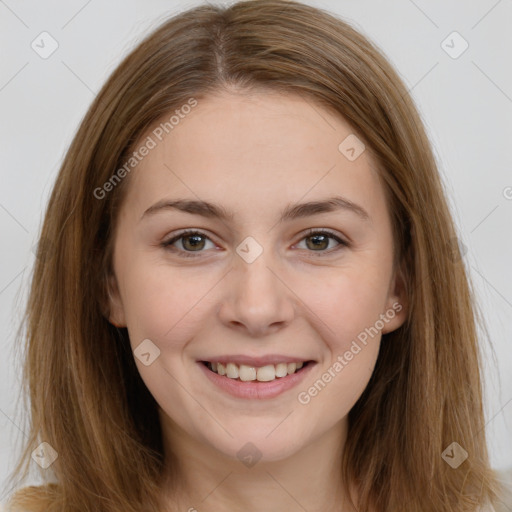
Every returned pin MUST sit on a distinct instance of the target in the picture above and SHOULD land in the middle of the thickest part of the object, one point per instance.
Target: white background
(465, 102)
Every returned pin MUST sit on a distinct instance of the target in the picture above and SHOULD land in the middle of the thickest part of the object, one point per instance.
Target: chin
(253, 446)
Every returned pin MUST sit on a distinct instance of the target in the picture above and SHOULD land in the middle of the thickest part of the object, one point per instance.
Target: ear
(397, 304)
(115, 307)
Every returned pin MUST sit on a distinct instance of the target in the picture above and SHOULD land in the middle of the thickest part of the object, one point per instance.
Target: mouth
(244, 379)
(247, 373)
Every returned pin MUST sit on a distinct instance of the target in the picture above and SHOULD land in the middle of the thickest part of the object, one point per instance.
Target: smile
(246, 381)
(247, 373)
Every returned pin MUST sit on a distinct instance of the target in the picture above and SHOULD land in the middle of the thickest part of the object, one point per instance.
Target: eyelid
(314, 231)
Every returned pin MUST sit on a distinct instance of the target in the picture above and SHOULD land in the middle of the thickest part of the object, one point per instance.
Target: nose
(256, 299)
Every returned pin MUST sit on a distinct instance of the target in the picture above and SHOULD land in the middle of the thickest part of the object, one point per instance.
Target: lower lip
(255, 389)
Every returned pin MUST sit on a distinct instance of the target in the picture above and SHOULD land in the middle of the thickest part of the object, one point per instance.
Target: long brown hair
(86, 398)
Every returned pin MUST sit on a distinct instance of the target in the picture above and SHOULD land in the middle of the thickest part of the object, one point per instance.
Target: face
(294, 297)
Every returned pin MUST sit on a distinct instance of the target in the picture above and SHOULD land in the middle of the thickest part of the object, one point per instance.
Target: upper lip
(257, 362)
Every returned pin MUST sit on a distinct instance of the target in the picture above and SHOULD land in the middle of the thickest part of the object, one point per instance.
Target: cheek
(347, 303)
(161, 301)
(353, 343)
(355, 300)
(333, 393)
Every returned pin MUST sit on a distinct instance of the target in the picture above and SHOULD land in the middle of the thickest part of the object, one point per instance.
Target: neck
(207, 480)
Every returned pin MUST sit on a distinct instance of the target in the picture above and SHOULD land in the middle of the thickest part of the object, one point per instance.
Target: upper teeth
(248, 373)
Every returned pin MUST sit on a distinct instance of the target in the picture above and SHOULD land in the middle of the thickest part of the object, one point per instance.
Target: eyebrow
(291, 212)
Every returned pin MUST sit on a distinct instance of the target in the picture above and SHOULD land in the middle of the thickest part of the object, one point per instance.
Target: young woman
(248, 293)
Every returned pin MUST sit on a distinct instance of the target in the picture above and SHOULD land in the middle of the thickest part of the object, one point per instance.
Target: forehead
(252, 152)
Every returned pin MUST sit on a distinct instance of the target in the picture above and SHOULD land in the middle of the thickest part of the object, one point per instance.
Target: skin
(254, 153)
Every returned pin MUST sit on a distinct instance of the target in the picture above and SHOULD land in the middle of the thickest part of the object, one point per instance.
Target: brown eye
(191, 242)
(318, 241)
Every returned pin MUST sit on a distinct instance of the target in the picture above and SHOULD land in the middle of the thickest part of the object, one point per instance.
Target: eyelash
(194, 254)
